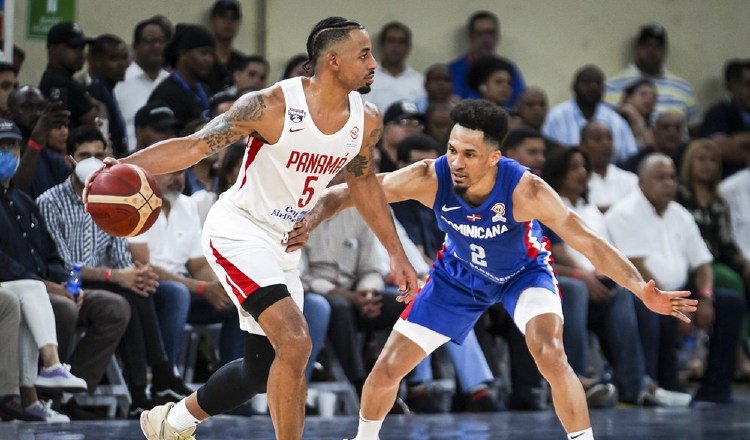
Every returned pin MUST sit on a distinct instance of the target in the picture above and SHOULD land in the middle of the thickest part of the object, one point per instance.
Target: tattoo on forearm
(358, 165)
(222, 130)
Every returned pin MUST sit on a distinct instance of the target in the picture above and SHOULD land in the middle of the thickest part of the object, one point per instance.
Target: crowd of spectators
(633, 155)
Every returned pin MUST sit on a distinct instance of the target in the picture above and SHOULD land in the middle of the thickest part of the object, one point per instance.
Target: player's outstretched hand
(405, 277)
(668, 303)
(108, 162)
(297, 237)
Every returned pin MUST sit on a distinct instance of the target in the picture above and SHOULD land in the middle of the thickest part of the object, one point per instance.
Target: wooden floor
(718, 422)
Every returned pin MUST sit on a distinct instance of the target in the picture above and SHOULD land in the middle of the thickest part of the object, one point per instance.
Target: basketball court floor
(717, 422)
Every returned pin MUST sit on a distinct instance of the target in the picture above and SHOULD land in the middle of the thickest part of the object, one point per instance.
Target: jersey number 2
(478, 255)
(307, 191)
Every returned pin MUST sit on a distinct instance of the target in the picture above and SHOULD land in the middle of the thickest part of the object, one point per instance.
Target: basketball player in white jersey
(302, 132)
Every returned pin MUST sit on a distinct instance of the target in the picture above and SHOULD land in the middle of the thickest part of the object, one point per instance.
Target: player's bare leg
(399, 356)
(544, 338)
(287, 331)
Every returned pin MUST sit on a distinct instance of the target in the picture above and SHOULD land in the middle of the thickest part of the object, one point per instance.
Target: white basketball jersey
(279, 183)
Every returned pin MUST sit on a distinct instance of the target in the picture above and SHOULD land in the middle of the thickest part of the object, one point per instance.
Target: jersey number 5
(478, 255)
(307, 191)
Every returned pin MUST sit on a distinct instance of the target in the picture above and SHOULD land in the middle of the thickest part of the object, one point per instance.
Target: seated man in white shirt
(662, 240)
(144, 73)
(736, 190)
(607, 183)
(565, 121)
(173, 249)
(396, 80)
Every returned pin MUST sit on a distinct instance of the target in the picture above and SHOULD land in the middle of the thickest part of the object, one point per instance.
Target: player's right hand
(108, 162)
(404, 277)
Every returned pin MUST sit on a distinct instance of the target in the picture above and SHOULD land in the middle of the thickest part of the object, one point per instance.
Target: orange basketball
(124, 200)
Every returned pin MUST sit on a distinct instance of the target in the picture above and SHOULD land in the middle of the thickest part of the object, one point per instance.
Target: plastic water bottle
(74, 282)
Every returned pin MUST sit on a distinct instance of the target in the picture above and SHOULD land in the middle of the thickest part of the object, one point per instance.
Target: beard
(460, 190)
(364, 90)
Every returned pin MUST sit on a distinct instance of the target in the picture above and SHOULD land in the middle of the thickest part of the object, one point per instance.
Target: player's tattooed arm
(361, 165)
(233, 125)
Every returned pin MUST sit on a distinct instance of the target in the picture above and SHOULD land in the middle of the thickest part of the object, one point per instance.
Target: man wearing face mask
(104, 314)
(108, 264)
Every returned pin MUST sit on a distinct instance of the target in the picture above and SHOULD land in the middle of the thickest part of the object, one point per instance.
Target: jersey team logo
(499, 210)
(296, 115)
(354, 133)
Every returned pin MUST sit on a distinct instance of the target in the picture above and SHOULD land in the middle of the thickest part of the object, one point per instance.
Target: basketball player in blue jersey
(290, 125)
(490, 208)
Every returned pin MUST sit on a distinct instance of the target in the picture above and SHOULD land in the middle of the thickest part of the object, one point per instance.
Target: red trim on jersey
(407, 310)
(252, 151)
(235, 277)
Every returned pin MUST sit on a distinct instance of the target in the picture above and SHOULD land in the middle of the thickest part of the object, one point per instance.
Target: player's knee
(384, 374)
(293, 347)
(548, 353)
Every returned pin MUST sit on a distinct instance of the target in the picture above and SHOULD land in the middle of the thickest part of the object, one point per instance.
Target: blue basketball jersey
(487, 239)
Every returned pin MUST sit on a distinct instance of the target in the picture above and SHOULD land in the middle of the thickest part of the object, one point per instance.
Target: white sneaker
(155, 427)
(672, 398)
(58, 376)
(44, 411)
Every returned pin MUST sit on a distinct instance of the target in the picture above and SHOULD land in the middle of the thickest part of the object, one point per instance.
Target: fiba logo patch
(354, 133)
(296, 115)
(499, 210)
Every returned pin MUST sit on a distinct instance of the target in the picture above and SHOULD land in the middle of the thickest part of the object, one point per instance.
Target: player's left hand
(668, 303)
(297, 237)
(405, 277)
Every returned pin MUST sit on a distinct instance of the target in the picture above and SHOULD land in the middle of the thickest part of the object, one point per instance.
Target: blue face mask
(8, 165)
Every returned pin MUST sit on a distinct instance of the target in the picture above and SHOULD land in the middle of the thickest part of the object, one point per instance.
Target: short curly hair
(478, 114)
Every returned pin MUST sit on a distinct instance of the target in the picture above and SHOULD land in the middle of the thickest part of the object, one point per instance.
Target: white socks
(180, 418)
(586, 434)
(368, 429)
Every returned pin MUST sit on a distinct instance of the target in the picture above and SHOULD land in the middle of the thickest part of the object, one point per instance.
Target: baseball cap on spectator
(187, 37)
(9, 130)
(222, 6)
(68, 33)
(652, 31)
(157, 116)
(402, 110)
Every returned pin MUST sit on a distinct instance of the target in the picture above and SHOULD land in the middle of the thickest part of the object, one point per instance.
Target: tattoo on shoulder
(222, 131)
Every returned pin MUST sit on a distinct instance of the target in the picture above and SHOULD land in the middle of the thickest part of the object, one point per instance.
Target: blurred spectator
(607, 183)
(42, 166)
(416, 148)
(674, 94)
(668, 129)
(484, 35)
(565, 122)
(65, 44)
(108, 265)
(526, 146)
(492, 77)
(736, 191)
(699, 194)
(107, 62)
(394, 79)
(144, 73)
(221, 102)
(637, 107)
(191, 54)
(728, 121)
(224, 20)
(19, 56)
(662, 240)
(31, 270)
(438, 88)
(401, 120)
(609, 311)
(295, 66)
(438, 124)
(8, 83)
(173, 248)
(154, 122)
(530, 112)
(250, 75)
(10, 325)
